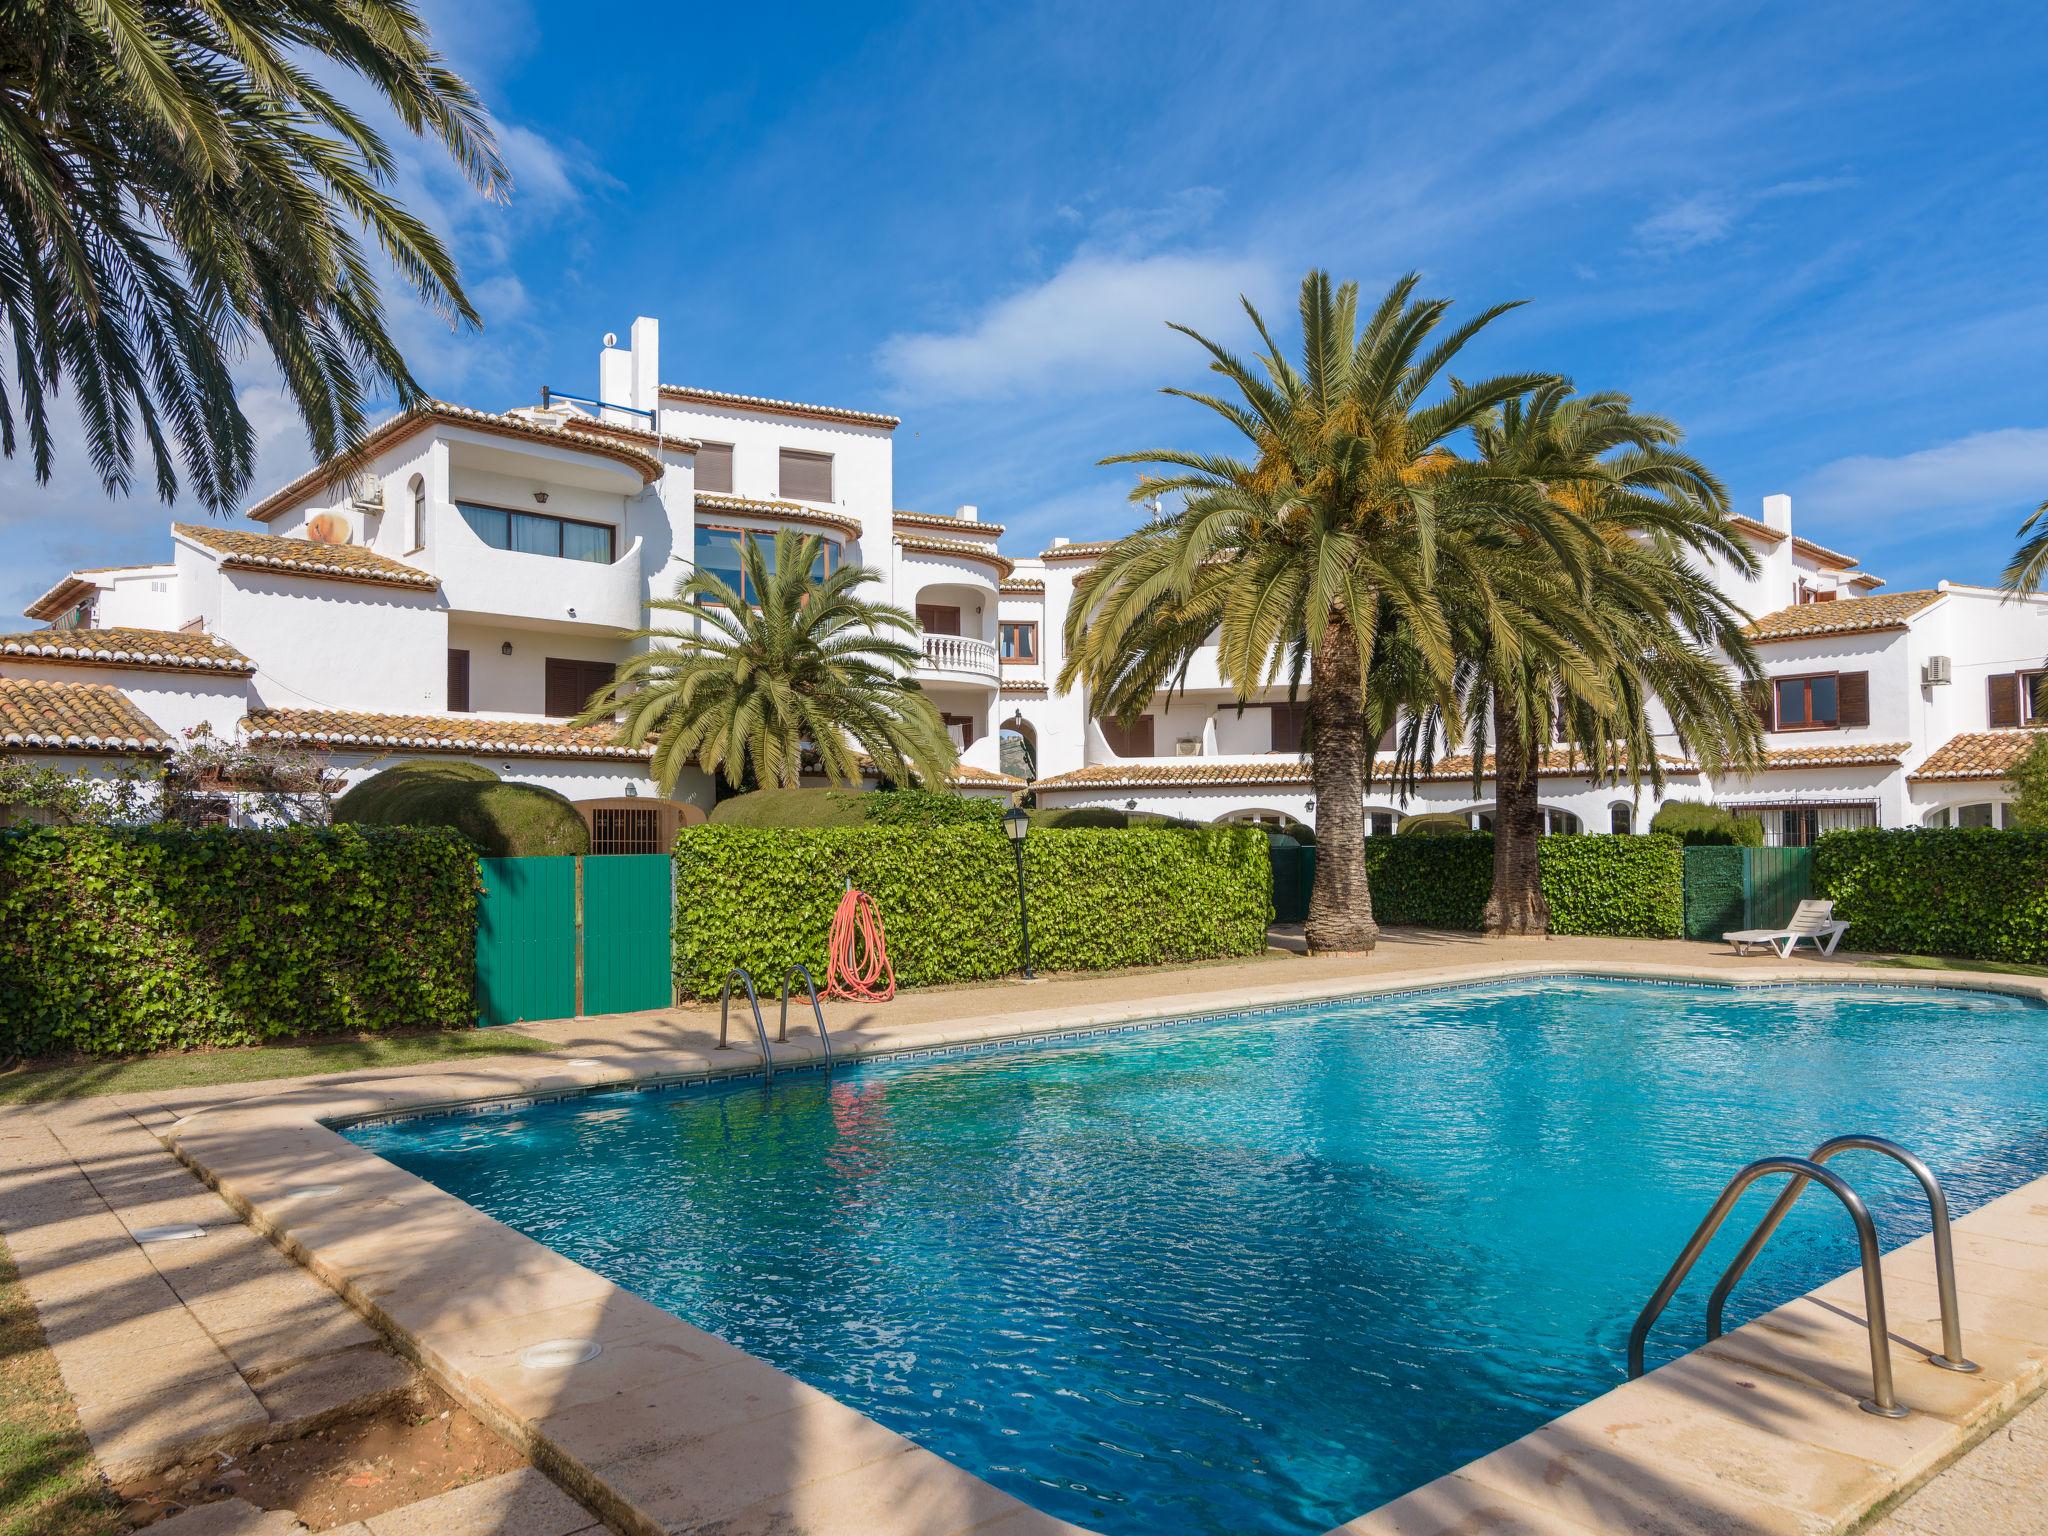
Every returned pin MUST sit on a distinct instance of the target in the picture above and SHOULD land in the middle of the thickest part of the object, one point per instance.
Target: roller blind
(806, 476)
(714, 467)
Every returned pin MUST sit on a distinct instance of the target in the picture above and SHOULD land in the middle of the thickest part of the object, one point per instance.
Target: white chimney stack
(1778, 513)
(1061, 542)
(968, 514)
(646, 368)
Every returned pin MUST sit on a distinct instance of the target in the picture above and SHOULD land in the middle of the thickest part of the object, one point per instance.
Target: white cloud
(1707, 217)
(1099, 321)
(2004, 471)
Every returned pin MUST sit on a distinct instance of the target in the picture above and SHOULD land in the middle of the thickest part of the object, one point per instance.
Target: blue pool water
(1257, 1274)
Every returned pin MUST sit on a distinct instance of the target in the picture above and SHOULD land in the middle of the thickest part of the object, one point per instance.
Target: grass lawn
(198, 1069)
(1944, 963)
(49, 1484)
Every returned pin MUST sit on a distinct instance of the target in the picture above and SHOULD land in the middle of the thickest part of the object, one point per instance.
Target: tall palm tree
(175, 178)
(1294, 559)
(1645, 627)
(799, 667)
(2028, 567)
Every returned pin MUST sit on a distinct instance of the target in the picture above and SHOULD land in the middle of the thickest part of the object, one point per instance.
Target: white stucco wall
(335, 644)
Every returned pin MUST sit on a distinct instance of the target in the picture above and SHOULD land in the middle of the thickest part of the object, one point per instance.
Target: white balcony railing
(956, 656)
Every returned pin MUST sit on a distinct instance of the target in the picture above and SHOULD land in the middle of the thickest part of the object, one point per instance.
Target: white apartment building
(462, 590)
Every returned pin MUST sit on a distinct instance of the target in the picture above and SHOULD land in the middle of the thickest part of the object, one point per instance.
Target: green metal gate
(1294, 876)
(1727, 889)
(565, 935)
(627, 943)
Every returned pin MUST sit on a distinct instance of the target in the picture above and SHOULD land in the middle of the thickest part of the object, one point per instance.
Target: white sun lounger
(1815, 921)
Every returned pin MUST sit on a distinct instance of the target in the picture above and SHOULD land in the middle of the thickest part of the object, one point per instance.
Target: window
(714, 467)
(1805, 703)
(1560, 823)
(535, 533)
(1796, 826)
(1981, 815)
(718, 552)
(416, 534)
(938, 618)
(961, 729)
(1288, 723)
(806, 476)
(1621, 819)
(570, 683)
(1019, 640)
(626, 829)
(1133, 740)
(1379, 823)
(458, 682)
(2019, 698)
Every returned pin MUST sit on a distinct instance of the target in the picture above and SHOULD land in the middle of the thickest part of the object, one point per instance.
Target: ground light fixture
(1017, 822)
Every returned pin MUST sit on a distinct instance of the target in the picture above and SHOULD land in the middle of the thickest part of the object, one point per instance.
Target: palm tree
(1296, 558)
(2028, 567)
(806, 669)
(175, 178)
(1643, 627)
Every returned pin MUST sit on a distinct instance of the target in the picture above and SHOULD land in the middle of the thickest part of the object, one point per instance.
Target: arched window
(1621, 818)
(418, 530)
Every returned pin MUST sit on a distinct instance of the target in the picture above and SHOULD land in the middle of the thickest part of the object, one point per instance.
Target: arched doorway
(1020, 747)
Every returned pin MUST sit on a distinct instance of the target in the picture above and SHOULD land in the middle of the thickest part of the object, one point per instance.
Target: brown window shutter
(714, 467)
(2005, 699)
(938, 619)
(569, 684)
(1852, 699)
(806, 476)
(1134, 740)
(1760, 695)
(1288, 720)
(458, 682)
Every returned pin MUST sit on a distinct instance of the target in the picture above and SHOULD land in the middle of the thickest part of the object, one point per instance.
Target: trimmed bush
(1708, 826)
(1978, 894)
(1073, 818)
(121, 939)
(1435, 824)
(1713, 891)
(799, 809)
(503, 820)
(764, 898)
(1620, 887)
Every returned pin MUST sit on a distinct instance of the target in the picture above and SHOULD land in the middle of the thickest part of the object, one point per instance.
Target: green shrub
(1713, 891)
(1614, 886)
(764, 898)
(1072, 818)
(1434, 824)
(1708, 826)
(932, 808)
(163, 937)
(1623, 887)
(503, 820)
(798, 809)
(1978, 894)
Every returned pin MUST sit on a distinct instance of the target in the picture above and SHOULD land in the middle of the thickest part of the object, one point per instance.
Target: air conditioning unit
(1933, 671)
(1187, 746)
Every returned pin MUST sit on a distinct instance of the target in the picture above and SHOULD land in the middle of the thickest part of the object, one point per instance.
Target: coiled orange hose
(859, 954)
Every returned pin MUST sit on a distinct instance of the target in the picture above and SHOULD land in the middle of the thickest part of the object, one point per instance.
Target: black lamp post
(1016, 822)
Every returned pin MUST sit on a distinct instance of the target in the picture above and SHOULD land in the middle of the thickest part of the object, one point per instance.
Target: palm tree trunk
(1516, 906)
(1340, 904)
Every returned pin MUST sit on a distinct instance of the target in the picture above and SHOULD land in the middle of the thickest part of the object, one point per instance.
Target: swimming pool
(1260, 1272)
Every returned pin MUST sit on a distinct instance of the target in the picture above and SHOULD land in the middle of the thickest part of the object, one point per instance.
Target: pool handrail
(1882, 1400)
(817, 1012)
(725, 1016)
(1951, 1357)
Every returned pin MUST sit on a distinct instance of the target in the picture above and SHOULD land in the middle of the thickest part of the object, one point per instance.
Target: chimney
(1778, 513)
(646, 367)
(968, 514)
(1061, 542)
(615, 375)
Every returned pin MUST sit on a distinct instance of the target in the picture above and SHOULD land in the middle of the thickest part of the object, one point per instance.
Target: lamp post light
(1016, 822)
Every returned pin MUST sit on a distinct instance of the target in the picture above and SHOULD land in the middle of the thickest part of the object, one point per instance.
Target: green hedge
(1977, 894)
(1713, 891)
(155, 938)
(1619, 887)
(763, 898)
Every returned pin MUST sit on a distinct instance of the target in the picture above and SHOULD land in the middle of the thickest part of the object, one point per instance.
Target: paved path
(1998, 1489)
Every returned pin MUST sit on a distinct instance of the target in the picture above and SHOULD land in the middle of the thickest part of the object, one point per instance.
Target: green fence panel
(1294, 874)
(1779, 879)
(628, 941)
(526, 939)
(1714, 887)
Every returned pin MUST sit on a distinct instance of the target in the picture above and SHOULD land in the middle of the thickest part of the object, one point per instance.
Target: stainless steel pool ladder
(817, 1012)
(739, 973)
(1812, 1170)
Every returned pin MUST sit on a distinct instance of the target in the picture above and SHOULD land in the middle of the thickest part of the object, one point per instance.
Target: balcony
(955, 658)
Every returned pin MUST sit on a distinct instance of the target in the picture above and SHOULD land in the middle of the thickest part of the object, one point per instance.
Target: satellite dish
(328, 528)
(611, 338)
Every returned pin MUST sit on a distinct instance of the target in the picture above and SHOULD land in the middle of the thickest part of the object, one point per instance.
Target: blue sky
(1812, 234)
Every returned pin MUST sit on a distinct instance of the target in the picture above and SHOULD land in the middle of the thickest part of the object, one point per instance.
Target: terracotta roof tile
(1283, 769)
(306, 557)
(1844, 616)
(958, 549)
(944, 520)
(1023, 586)
(1759, 530)
(1084, 549)
(1822, 554)
(75, 717)
(1978, 755)
(781, 511)
(337, 729)
(156, 650)
(1858, 755)
(778, 407)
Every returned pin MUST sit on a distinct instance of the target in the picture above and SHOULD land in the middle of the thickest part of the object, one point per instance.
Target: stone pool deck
(220, 1340)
